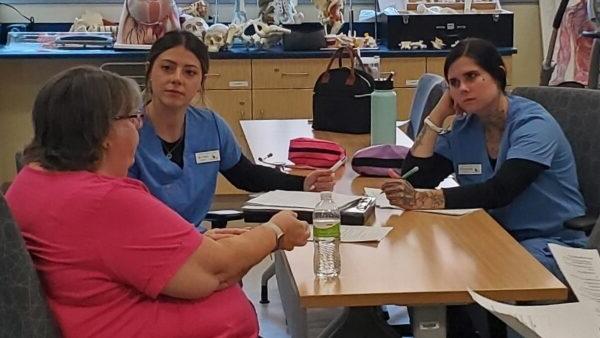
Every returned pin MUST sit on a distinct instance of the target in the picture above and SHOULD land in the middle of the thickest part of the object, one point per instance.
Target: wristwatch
(278, 233)
(432, 126)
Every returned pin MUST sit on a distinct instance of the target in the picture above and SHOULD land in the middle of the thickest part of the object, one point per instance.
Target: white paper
(360, 233)
(384, 203)
(548, 321)
(581, 268)
(297, 200)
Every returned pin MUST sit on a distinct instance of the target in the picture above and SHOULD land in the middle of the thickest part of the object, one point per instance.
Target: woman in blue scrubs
(183, 148)
(508, 154)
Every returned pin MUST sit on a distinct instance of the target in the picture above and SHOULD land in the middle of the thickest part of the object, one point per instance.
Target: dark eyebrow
(173, 62)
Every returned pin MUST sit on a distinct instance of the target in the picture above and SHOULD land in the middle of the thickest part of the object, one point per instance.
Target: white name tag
(208, 156)
(469, 169)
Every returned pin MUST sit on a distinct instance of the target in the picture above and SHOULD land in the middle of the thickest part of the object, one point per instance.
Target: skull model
(215, 37)
(195, 25)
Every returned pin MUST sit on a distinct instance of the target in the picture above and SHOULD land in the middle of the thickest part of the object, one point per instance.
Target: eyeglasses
(137, 119)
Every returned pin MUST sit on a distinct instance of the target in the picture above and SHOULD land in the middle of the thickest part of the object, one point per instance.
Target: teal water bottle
(383, 112)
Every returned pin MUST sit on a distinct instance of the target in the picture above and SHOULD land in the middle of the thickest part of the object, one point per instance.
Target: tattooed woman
(508, 154)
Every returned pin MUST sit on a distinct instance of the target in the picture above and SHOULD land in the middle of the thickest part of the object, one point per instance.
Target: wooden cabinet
(271, 104)
(404, 97)
(286, 74)
(406, 70)
(229, 74)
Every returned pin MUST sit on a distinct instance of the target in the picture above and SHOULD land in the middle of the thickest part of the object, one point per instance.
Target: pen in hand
(407, 174)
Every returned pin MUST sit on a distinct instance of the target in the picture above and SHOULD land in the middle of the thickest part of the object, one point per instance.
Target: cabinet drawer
(229, 74)
(282, 104)
(436, 66)
(407, 71)
(233, 106)
(289, 73)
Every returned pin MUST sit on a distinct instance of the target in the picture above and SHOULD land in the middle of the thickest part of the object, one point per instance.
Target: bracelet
(278, 233)
(436, 129)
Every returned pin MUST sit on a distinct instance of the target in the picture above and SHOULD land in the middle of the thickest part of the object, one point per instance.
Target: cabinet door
(407, 71)
(233, 106)
(268, 104)
(435, 65)
(404, 97)
(229, 74)
(289, 73)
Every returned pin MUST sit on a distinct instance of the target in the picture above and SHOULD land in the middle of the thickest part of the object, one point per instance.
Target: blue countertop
(234, 53)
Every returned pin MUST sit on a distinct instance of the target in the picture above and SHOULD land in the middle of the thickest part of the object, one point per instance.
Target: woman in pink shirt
(114, 260)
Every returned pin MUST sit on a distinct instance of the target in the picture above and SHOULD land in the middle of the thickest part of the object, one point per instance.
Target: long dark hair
(72, 115)
(174, 39)
(485, 55)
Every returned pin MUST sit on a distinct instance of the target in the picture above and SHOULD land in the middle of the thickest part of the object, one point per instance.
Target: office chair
(576, 111)
(429, 91)
(24, 311)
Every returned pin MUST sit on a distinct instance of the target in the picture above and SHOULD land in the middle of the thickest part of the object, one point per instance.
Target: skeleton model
(239, 13)
(195, 25)
(145, 21)
(438, 43)
(262, 35)
(330, 14)
(197, 9)
(215, 37)
(279, 12)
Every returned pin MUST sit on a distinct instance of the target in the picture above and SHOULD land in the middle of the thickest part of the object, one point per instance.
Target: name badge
(207, 156)
(469, 169)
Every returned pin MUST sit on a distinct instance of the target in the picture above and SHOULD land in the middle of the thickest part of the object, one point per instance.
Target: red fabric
(105, 248)
(314, 152)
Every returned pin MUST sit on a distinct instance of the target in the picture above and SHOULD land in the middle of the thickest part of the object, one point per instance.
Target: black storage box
(306, 36)
(495, 26)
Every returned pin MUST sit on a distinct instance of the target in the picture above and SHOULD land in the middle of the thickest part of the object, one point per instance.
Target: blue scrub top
(532, 134)
(210, 147)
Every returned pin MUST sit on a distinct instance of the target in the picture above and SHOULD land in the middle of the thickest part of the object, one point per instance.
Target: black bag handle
(339, 54)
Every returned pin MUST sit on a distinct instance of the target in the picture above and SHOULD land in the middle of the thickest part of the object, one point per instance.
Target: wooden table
(426, 262)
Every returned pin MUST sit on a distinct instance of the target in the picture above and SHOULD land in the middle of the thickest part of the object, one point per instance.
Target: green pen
(408, 173)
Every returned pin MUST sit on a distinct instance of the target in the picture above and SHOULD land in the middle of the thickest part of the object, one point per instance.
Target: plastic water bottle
(383, 112)
(326, 234)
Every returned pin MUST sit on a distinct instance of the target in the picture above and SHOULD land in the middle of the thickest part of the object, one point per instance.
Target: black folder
(360, 212)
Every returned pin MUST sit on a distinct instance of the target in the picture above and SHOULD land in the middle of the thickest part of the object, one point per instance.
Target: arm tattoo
(429, 199)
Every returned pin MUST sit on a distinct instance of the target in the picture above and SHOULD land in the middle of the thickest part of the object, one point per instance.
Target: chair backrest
(594, 240)
(428, 93)
(578, 113)
(24, 311)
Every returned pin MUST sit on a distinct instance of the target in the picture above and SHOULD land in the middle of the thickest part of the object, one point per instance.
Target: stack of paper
(295, 200)
(581, 268)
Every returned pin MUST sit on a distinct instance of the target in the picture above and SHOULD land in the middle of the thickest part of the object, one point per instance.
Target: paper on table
(359, 233)
(297, 199)
(581, 268)
(383, 202)
(548, 321)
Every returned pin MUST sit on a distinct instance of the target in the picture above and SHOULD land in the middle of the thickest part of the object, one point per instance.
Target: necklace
(169, 148)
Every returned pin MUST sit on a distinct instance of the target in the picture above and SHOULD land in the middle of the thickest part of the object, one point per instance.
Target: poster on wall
(572, 51)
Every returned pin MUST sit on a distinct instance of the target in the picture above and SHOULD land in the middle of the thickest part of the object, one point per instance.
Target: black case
(358, 213)
(495, 27)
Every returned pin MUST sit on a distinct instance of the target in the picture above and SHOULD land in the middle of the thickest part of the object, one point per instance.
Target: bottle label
(328, 231)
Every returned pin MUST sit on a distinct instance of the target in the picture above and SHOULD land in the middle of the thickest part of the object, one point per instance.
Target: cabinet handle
(213, 74)
(294, 74)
